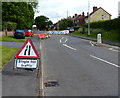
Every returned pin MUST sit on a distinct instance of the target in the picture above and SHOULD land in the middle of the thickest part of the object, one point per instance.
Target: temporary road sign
(26, 63)
(27, 51)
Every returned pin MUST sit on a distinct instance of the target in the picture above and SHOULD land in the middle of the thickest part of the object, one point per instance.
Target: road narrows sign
(27, 57)
(27, 51)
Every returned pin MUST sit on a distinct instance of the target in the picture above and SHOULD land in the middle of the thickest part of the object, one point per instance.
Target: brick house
(79, 20)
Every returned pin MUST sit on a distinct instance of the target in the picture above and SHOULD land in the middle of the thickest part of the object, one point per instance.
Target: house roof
(78, 17)
(97, 10)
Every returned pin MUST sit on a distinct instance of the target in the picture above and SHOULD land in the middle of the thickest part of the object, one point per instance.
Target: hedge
(108, 25)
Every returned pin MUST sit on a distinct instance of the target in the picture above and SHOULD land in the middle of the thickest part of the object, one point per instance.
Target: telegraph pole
(88, 17)
(67, 14)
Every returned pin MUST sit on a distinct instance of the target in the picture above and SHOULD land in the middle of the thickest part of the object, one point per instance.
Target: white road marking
(69, 47)
(66, 39)
(42, 75)
(105, 61)
(113, 50)
(61, 39)
(91, 43)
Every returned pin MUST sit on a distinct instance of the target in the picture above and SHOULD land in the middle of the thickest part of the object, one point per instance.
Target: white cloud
(57, 9)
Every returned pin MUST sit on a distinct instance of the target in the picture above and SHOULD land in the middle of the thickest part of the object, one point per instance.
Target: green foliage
(42, 22)
(9, 25)
(109, 29)
(21, 13)
(6, 54)
(12, 39)
(64, 23)
(76, 28)
(112, 35)
(106, 25)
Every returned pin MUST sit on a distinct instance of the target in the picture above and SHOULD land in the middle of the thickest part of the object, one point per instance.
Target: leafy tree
(9, 25)
(21, 13)
(64, 23)
(42, 22)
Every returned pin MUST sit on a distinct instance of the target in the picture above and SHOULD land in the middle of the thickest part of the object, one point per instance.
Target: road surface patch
(51, 83)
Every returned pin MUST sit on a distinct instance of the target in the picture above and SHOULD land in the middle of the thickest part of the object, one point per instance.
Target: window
(103, 17)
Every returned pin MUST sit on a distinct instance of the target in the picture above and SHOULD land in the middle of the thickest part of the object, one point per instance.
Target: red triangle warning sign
(27, 51)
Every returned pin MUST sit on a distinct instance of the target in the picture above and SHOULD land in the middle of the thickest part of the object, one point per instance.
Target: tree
(42, 22)
(64, 23)
(21, 13)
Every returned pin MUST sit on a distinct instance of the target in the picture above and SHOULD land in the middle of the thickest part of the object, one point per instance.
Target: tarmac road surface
(80, 68)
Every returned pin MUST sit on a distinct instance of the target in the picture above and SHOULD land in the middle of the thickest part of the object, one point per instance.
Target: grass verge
(12, 39)
(6, 53)
(112, 35)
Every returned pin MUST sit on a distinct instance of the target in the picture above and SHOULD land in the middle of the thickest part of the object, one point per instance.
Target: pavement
(80, 68)
(20, 82)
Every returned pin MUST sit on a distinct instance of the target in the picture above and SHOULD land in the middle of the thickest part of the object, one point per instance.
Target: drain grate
(51, 83)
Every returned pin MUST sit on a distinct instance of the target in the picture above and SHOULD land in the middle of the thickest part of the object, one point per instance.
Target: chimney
(75, 14)
(87, 13)
(94, 8)
(82, 13)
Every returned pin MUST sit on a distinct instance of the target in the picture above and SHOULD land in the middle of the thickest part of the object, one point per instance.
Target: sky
(58, 9)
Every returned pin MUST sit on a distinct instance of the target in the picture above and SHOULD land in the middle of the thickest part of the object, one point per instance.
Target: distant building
(79, 20)
(119, 9)
(98, 14)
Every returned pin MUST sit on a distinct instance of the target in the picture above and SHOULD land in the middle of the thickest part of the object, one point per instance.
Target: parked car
(71, 29)
(19, 34)
(28, 32)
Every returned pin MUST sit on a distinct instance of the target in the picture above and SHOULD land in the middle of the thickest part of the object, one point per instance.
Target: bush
(64, 23)
(76, 28)
(9, 25)
(106, 25)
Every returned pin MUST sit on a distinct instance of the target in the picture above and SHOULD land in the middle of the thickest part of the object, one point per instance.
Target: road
(80, 68)
(20, 82)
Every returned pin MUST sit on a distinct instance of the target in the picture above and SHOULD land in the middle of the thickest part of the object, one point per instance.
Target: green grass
(12, 39)
(6, 53)
(112, 35)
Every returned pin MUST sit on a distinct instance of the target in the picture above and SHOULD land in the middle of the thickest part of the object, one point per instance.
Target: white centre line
(105, 61)
(69, 47)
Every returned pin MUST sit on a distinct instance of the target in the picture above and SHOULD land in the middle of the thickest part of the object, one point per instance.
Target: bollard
(99, 40)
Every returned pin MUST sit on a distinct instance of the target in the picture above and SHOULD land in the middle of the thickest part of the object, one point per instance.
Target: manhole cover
(51, 83)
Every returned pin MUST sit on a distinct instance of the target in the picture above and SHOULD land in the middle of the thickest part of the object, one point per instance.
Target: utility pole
(58, 21)
(67, 14)
(88, 17)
